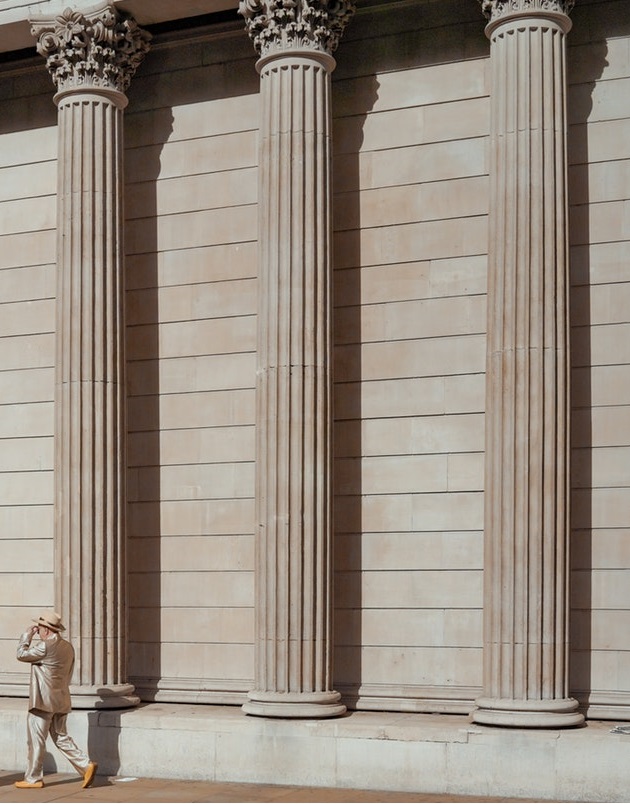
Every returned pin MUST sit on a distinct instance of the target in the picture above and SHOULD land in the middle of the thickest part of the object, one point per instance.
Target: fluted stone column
(91, 58)
(527, 484)
(293, 673)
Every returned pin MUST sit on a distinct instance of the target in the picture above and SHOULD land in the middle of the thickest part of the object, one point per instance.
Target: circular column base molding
(110, 696)
(294, 704)
(536, 714)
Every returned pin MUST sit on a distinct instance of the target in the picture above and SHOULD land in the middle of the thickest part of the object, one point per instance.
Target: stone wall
(191, 170)
(599, 189)
(28, 150)
(410, 257)
(410, 143)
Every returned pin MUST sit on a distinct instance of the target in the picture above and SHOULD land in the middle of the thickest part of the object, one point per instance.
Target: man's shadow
(104, 729)
(8, 779)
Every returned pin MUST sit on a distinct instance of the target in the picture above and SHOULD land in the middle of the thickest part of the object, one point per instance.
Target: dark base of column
(537, 714)
(110, 696)
(294, 704)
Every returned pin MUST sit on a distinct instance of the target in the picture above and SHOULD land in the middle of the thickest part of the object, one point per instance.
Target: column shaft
(293, 546)
(90, 466)
(293, 672)
(527, 481)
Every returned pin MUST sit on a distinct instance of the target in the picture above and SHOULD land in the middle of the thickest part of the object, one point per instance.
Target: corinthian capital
(496, 9)
(100, 48)
(276, 25)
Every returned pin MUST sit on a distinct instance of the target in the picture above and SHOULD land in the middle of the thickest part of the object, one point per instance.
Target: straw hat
(52, 620)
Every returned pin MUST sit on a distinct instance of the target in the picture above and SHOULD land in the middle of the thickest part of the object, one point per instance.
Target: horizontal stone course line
(23, 402)
(606, 100)
(147, 572)
(597, 264)
(410, 534)
(34, 249)
(175, 87)
(175, 611)
(202, 192)
(34, 163)
(417, 220)
(607, 140)
(598, 183)
(584, 58)
(195, 265)
(139, 361)
(353, 306)
(454, 159)
(133, 147)
(604, 222)
(419, 645)
(419, 86)
(217, 228)
(194, 464)
(591, 368)
(208, 118)
(198, 641)
(235, 298)
(410, 126)
(168, 387)
(473, 333)
(211, 154)
(166, 498)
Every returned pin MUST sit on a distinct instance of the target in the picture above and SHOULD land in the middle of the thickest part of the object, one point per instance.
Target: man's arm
(30, 653)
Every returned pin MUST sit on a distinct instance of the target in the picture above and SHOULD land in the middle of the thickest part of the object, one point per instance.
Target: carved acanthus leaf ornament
(99, 49)
(276, 25)
(496, 9)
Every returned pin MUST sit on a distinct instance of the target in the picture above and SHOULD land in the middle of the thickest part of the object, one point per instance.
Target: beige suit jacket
(51, 663)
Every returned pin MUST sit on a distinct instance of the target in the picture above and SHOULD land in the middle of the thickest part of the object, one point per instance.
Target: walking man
(51, 658)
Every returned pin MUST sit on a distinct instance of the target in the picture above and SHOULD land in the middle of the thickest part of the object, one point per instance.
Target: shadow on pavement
(9, 778)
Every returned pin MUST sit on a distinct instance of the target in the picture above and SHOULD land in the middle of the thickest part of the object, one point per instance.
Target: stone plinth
(444, 755)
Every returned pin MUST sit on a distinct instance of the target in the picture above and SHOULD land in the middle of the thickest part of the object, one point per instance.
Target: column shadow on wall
(229, 62)
(580, 104)
(143, 520)
(348, 413)
(33, 106)
(143, 388)
(423, 40)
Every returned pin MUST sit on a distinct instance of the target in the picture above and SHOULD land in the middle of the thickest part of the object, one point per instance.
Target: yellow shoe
(90, 773)
(24, 784)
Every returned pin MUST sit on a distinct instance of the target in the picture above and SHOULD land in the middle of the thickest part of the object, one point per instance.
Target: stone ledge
(377, 750)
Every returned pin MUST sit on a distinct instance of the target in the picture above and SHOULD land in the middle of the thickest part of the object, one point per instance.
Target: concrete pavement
(64, 787)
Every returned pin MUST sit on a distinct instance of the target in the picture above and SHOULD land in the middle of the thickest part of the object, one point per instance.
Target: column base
(111, 696)
(537, 714)
(294, 704)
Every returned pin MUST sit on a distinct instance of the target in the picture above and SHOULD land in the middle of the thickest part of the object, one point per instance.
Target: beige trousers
(39, 725)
